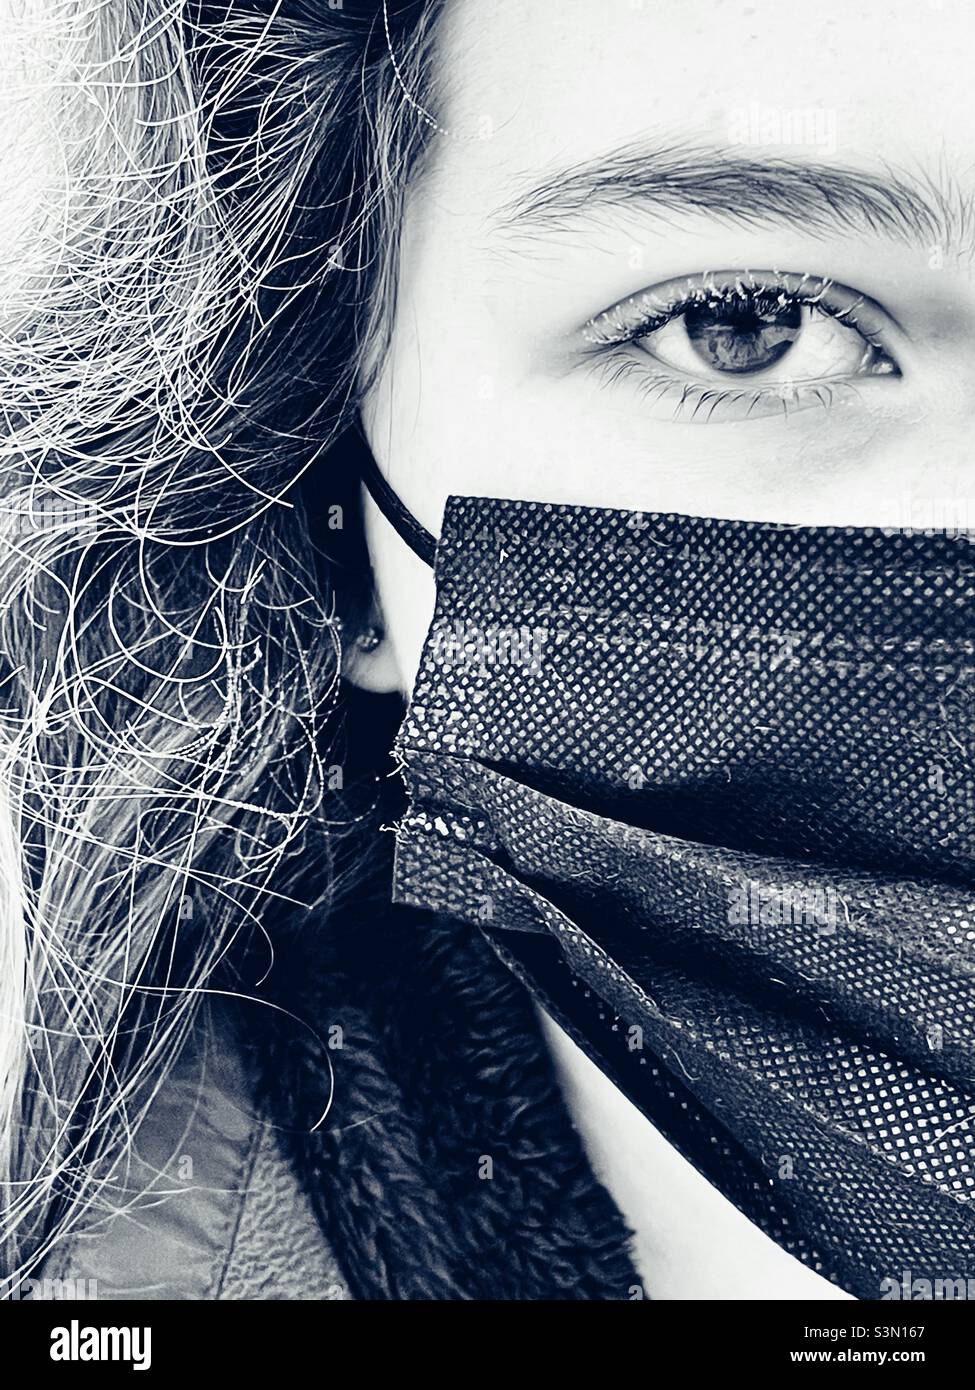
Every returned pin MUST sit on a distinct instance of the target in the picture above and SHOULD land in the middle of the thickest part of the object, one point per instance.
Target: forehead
(529, 87)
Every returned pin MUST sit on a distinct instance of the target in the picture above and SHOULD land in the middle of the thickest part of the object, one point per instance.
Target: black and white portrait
(487, 654)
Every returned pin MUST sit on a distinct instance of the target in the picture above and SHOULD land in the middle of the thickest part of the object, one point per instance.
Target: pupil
(742, 336)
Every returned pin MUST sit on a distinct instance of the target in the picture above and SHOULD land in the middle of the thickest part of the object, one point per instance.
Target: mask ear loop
(403, 522)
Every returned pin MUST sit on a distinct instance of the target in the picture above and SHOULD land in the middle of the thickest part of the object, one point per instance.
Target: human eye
(738, 344)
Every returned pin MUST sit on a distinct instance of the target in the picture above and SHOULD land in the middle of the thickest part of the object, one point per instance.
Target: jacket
(394, 1130)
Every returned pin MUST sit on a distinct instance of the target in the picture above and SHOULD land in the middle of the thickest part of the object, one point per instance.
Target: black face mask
(708, 788)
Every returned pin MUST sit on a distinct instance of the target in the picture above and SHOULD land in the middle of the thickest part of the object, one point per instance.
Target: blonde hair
(211, 261)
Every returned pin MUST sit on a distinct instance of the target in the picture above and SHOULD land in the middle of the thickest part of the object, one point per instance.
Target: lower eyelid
(699, 400)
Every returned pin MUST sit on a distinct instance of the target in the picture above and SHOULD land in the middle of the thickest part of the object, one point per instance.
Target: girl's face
(665, 258)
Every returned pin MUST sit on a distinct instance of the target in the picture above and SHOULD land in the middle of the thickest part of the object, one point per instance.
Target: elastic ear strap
(403, 522)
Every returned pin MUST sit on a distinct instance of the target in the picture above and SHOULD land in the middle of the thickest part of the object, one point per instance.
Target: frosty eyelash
(652, 308)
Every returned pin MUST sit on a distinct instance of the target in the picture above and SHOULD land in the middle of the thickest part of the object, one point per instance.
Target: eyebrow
(681, 179)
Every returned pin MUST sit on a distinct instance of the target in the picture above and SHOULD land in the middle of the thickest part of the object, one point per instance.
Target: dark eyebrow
(748, 191)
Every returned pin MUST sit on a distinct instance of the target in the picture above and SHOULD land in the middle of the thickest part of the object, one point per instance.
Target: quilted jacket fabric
(216, 1210)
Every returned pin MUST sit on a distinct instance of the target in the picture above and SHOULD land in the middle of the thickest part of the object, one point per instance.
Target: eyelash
(689, 398)
(643, 313)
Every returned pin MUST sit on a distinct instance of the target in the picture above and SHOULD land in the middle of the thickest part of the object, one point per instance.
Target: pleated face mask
(708, 789)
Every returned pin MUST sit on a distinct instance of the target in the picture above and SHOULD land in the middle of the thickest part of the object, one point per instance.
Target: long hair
(209, 270)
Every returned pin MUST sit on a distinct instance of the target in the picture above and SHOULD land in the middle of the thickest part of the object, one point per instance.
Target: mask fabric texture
(708, 789)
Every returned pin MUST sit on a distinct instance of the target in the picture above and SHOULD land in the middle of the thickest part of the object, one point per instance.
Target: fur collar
(447, 1166)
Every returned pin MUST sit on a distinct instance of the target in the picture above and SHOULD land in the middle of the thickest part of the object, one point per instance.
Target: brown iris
(743, 335)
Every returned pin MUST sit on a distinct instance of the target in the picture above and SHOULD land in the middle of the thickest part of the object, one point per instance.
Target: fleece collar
(447, 1166)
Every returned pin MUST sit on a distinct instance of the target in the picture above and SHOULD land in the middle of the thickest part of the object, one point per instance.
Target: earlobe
(368, 661)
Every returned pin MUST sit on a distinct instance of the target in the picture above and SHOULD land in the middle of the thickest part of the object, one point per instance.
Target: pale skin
(488, 390)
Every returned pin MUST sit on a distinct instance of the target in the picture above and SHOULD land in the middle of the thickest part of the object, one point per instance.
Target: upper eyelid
(629, 317)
